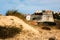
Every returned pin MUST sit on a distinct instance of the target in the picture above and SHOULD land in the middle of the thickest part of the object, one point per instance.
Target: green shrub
(9, 32)
(56, 16)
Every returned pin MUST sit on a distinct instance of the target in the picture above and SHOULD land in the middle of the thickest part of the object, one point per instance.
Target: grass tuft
(9, 32)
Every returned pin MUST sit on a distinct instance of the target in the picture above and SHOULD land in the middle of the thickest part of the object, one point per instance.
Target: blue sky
(29, 6)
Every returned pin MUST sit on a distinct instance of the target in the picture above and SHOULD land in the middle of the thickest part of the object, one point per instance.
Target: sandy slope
(28, 32)
(14, 21)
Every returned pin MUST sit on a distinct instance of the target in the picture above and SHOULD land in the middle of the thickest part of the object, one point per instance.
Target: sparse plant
(46, 28)
(15, 13)
(50, 23)
(51, 38)
(9, 32)
(12, 19)
(57, 24)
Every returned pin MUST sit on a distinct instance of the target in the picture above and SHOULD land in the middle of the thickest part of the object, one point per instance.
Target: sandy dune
(28, 32)
(14, 21)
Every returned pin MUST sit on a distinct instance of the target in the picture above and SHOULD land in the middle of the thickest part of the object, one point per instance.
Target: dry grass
(9, 32)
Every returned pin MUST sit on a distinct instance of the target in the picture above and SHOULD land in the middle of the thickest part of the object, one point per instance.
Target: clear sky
(29, 6)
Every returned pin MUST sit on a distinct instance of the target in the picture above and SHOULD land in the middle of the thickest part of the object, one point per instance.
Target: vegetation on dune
(57, 24)
(9, 32)
(56, 16)
(51, 38)
(46, 28)
(15, 13)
